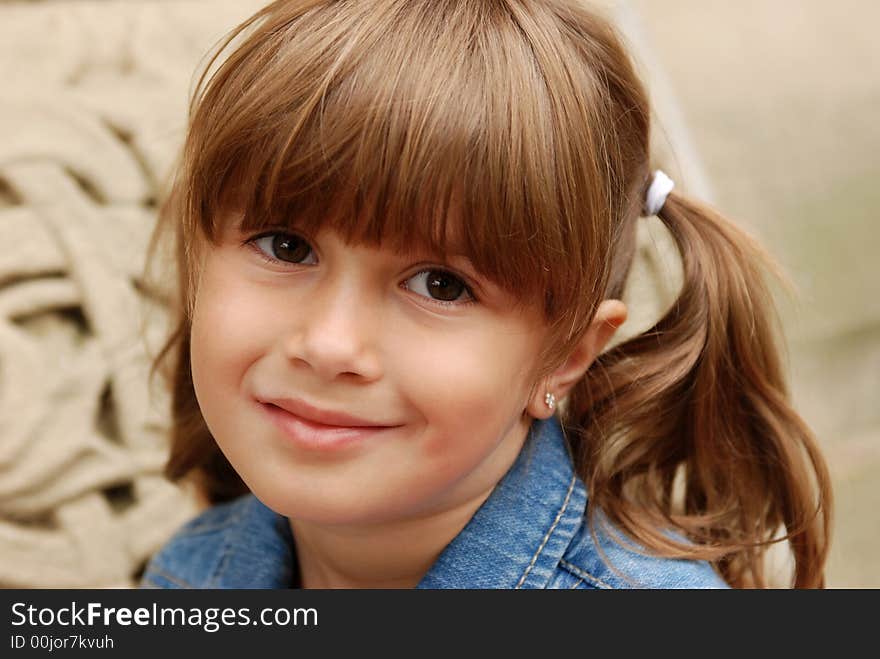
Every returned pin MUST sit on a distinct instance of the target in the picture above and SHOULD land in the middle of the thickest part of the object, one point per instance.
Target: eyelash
(252, 243)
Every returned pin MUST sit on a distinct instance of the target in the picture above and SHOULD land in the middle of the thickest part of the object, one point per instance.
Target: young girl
(402, 229)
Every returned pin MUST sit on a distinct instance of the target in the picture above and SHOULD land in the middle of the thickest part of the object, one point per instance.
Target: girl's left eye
(440, 286)
(285, 248)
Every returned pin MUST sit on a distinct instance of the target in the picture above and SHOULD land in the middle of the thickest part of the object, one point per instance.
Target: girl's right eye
(283, 248)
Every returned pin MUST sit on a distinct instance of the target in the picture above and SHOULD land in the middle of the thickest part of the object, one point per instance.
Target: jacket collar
(258, 550)
(515, 540)
(520, 533)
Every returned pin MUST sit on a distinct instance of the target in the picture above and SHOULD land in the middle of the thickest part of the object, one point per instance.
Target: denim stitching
(198, 526)
(222, 564)
(165, 575)
(576, 584)
(585, 576)
(548, 534)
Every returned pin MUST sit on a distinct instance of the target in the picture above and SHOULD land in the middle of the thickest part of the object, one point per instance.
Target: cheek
(230, 329)
(461, 383)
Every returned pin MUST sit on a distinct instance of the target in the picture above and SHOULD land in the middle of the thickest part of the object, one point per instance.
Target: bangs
(408, 125)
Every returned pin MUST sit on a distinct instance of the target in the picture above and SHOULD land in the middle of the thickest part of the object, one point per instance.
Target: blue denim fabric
(530, 533)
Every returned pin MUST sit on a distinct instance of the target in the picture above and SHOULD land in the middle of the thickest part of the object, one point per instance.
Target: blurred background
(766, 108)
(772, 106)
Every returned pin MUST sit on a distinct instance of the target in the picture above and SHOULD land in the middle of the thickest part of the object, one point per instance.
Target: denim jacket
(529, 533)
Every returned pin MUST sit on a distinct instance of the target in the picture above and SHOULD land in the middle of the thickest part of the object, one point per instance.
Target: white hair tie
(660, 188)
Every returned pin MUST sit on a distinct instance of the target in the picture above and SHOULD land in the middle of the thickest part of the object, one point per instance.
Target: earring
(550, 400)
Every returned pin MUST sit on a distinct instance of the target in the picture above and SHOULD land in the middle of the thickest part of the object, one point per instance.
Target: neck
(395, 555)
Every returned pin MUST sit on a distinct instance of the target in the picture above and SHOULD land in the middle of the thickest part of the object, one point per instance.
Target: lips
(321, 416)
(314, 429)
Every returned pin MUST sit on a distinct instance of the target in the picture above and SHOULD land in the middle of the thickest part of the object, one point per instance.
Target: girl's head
(449, 190)
(518, 131)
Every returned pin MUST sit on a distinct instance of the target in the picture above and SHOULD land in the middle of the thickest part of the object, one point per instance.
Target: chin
(336, 511)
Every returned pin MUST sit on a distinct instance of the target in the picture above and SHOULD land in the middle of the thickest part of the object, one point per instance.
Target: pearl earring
(550, 400)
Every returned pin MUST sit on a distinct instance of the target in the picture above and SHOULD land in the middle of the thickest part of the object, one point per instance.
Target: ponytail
(688, 426)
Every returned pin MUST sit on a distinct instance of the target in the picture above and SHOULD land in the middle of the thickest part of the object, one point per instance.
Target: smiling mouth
(320, 415)
(315, 436)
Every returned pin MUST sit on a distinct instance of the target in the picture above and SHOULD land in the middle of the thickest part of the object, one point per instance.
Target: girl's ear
(610, 315)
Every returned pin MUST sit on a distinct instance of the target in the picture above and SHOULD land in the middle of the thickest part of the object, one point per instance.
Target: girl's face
(435, 360)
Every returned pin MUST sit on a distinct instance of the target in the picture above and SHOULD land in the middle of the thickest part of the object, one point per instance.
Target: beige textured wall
(92, 108)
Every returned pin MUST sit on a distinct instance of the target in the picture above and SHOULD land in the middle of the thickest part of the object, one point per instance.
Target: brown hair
(524, 120)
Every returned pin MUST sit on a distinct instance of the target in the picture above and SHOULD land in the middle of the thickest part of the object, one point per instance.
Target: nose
(336, 332)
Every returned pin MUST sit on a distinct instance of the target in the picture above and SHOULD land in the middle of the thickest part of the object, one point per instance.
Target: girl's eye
(441, 286)
(284, 247)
